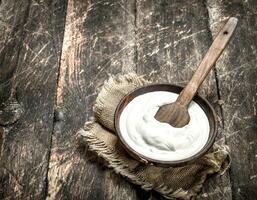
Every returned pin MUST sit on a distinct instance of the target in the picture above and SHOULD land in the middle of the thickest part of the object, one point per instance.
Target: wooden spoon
(176, 113)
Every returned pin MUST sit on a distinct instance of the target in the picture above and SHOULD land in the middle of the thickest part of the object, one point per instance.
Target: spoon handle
(208, 61)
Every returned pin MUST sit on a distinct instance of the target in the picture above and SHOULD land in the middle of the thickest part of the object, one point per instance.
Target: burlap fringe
(119, 166)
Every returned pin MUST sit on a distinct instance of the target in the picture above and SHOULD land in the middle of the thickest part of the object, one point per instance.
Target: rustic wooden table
(55, 54)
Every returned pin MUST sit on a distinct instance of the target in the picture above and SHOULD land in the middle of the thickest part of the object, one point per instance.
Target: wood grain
(98, 41)
(12, 21)
(173, 37)
(29, 57)
(11, 32)
(237, 75)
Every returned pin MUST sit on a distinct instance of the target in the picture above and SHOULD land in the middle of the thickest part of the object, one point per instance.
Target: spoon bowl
(176, 114)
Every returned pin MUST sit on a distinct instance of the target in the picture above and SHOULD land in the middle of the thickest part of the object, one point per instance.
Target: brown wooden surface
(237, 75)
(31, 33)
(55, 54)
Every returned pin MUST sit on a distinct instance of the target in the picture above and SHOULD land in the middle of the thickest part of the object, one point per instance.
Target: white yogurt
(160, 141)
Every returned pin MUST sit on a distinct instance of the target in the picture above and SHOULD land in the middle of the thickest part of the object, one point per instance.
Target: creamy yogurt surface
(160, 141)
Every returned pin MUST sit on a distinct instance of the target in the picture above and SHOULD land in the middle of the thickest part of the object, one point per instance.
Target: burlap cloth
(180, 182)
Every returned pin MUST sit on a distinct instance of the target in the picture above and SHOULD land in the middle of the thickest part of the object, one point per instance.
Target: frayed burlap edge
(116, 162)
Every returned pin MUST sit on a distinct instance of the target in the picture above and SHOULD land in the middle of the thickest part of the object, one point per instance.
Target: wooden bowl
(202, 102)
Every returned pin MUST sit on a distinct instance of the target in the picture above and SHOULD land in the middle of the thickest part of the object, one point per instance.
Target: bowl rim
(201, 101)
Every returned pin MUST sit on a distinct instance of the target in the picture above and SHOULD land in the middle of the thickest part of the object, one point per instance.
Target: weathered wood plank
(237, 76)
(98, 40)
(173, 37)
(13, 16)
(29, 58)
